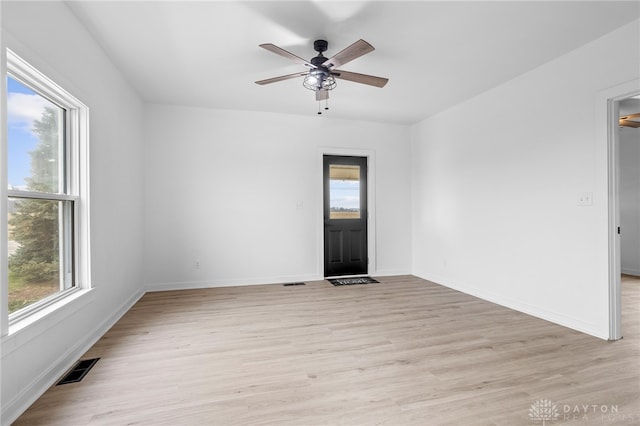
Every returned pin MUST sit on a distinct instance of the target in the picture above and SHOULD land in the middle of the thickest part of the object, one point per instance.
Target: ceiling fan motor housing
(318, 61)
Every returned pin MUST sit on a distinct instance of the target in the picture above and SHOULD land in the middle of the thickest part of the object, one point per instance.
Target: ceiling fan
(322, 73)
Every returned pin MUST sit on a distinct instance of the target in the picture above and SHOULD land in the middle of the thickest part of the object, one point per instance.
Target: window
(47, 218)
(344, 191)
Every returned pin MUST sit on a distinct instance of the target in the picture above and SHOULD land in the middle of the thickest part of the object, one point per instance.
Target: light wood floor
(405, 351)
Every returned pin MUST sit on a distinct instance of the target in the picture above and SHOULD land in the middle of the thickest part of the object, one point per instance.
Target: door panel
(345, 215)
(356, 246)
(335, 246)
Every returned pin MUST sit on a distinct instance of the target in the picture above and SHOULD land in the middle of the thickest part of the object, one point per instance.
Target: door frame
(607, 134)
(371, 203)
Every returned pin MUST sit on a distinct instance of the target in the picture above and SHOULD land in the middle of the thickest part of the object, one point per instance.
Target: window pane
(34, 246)
(344, 191)
(35, 129)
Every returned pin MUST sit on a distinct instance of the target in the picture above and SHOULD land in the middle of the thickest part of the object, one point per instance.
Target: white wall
(49, 37)
(496, 181)
(225, 188)
(630, 193)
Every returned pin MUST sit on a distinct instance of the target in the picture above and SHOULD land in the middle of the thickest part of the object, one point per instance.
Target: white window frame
(74, 256)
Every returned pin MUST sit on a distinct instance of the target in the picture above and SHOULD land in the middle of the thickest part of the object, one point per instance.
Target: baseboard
(626, 271)
(283, 279)
(12, 409)
(520, 306)
(390, 272)
(191, 285)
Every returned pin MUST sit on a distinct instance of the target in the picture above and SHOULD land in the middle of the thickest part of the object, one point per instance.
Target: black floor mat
(352, 281)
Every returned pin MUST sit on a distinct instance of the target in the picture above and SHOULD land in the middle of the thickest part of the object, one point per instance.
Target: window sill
(41, 321)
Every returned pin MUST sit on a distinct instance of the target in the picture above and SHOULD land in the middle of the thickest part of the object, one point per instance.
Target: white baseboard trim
(191, 285)
(12, 409)
(390, 272)
(283, 279)
(626, 271)
(520, 306)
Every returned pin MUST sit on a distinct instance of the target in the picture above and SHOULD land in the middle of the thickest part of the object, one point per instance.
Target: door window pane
(35, 130)
(344, 191)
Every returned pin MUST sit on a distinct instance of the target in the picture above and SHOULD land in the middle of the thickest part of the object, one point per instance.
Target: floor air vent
(292, 284)
(78, 372)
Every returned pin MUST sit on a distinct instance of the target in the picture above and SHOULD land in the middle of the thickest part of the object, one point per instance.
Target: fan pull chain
(319, 112)
(326, 104)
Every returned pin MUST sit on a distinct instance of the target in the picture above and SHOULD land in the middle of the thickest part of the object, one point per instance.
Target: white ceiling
(435, 54)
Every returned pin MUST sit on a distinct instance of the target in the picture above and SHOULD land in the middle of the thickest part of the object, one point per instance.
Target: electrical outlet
(585, 199)
(196, 264)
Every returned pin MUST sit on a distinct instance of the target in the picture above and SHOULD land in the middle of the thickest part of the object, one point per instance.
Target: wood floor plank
(404, 351)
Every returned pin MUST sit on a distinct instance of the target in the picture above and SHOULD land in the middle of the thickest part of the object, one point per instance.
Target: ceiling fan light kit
(322, 73)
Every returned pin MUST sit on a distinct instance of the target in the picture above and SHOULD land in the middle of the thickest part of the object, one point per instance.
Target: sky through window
(24, 107)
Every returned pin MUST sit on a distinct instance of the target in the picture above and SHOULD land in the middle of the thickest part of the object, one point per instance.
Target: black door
(345, 216)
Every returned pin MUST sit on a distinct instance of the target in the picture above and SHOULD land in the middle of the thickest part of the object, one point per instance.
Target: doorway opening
(615, 100)
(628, 195)
(345, 211)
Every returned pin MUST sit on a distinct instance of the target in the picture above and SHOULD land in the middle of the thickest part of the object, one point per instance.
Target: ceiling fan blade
(629, 123)
(280, 51)
(630, 120)
(322, 94)
(281, 78)
(360, 78)
(348, 54)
